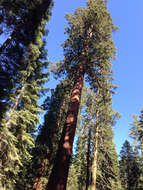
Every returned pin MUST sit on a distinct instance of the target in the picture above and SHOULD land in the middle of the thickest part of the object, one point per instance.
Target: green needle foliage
(129, 167)
(50, 132)
(87, 52)
(107, 160)
(23, 59)
(38, 159)
(90, 31)
(80, 174)
(24, 41)
(136, 133)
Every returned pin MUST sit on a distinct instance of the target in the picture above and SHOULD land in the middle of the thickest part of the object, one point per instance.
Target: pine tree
(129, 168)
(105, 171)
(18, 126)
(104, 158)
(137, 131)
(24, 19)
(11, 13)
(136, 134)
(107, 163)
(87, 50)
(72, 182)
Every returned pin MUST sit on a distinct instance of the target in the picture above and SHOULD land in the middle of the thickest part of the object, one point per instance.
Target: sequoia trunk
(59, 175)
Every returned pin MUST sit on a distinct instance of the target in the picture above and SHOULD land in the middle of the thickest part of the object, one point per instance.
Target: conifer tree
(104, 158)
(11, 14)
(107, 163)
(136, 134)
(50, 132)
(129, 168)
(137, 131)
(81, 159)
(19, 124)
(88, 49)
(23, 18)
(105, 171)
(72, 182)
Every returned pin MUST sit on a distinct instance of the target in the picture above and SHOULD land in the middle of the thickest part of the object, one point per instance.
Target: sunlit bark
(58, 177)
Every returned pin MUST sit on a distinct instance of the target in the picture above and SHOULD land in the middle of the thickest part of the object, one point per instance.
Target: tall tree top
(90, 39)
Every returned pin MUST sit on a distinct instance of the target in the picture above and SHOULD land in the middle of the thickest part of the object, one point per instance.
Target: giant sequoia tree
(87, 50)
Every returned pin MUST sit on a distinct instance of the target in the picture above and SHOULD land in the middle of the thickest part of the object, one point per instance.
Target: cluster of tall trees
(73, 148)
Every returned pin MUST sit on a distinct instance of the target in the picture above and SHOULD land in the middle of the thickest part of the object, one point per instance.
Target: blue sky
(128, 67)
(127, 15)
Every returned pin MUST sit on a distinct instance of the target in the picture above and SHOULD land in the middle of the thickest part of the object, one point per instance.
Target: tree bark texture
(38, 183)
(59, 175)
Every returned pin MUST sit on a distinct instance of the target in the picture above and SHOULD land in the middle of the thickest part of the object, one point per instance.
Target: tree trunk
(88, 159)
(8, 122)
(5, 44)
(59, 175)
(38, 184)
(94, 163)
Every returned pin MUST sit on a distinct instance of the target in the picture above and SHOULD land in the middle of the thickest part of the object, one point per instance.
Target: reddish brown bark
(59, 175)
(38, 184)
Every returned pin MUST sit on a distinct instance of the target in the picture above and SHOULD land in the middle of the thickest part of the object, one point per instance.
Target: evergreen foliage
(23, 59)
(26, 20)
(39, 158)
(87, 50)
(129, 167)
(136, 133)
(107, 161)
(50, 132)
